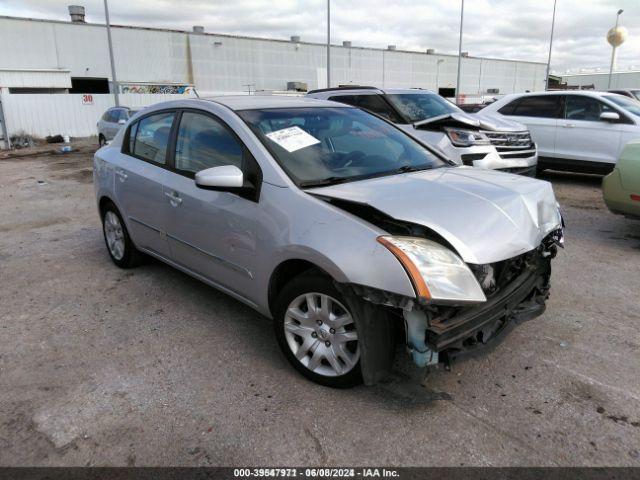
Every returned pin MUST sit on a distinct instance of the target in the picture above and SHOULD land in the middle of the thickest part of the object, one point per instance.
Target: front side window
(151, 137)
(579, 107)
(377, 105)
(546, 106)
(204, 142)
(319, 146)
(421, 106)
(627, 103)
(348, 99)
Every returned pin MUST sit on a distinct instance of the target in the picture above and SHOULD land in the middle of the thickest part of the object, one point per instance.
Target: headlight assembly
(466, 138)
(437, 274)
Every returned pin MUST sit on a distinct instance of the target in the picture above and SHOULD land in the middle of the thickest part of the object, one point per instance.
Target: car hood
(487, 216)
(479, 121)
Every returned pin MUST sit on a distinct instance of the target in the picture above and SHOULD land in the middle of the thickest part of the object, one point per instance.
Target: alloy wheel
(114, 234)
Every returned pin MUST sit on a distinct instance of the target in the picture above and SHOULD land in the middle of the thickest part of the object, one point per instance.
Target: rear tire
(316, 330)
(101, 141)
(119, 245)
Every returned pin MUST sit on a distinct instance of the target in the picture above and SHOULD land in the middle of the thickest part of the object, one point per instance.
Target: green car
(621, 188)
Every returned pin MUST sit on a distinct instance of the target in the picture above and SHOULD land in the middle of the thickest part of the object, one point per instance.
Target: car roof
(254, 102)
(589, 93)
(360, 90)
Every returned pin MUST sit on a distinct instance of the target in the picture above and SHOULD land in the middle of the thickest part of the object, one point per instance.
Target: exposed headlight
(436, 272)
(466, 138)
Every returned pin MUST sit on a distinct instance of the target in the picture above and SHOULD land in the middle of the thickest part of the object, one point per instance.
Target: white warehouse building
(57, 57)
(600, 80)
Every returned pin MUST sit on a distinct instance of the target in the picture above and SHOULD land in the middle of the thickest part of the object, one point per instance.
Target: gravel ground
(101, 366)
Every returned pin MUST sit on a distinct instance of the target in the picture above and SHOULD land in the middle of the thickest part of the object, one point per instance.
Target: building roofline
(584, 74)
(246, 37)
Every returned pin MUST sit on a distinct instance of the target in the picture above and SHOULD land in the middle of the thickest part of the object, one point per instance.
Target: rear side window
(204, 142)
(546, 106)
(149, 137)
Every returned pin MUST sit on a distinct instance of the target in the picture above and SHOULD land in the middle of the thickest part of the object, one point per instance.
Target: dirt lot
(100, 366)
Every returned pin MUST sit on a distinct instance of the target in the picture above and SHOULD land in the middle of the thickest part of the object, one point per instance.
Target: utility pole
(459, 54)
(113, 65)
(328, 43)
(553, 24)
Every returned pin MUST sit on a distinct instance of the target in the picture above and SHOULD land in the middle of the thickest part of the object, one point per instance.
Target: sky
(516, 29)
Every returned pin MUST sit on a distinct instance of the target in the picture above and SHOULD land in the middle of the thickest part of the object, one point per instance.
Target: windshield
(627, 103)
(321, 146)
(420, 106)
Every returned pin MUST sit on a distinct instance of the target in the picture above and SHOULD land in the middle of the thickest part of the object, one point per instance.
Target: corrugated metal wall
(601, 80)
(42, 115)
(226, 63)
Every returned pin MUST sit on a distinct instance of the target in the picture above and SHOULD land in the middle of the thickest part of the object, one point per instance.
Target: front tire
(316, 331)
(101, 141)
(119, 245)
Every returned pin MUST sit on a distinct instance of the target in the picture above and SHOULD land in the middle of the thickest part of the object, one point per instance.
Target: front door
(212, 233)
(583, 136)
(139, 175)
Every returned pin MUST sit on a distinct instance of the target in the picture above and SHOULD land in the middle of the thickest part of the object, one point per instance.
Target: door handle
(569, 125)
(174, 199)
(121, 175)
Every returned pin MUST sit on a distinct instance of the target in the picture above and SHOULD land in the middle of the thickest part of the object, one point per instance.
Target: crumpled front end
(516, 290)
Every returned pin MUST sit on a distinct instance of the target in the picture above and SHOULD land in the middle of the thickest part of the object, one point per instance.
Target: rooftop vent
(77, 13)
(391, 47)
(198, 29)
(431, 51)
(346, 43)
(295, 38)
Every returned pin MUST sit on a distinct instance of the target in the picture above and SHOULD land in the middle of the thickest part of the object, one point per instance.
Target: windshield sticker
(292, 138)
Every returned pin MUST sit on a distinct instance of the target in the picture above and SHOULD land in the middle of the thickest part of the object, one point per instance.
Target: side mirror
(225, 177)
(609, 117)
(122, 121)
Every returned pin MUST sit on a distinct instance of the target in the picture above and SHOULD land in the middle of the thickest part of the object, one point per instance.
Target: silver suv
(465, 138)
(339, 226)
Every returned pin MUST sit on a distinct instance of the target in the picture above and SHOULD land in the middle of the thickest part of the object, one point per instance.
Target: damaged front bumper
(439, 334)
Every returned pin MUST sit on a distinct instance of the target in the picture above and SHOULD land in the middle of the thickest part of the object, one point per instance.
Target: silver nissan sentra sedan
(351, 235)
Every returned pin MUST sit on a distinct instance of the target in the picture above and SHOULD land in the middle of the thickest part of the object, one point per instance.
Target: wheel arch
(284, 272)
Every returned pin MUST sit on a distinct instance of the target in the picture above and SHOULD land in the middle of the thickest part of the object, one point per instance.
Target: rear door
(583, 136)
(139, 176)
(540, 113)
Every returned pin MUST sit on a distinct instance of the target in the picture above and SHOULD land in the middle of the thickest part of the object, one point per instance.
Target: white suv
(462, 137)
(575, 130)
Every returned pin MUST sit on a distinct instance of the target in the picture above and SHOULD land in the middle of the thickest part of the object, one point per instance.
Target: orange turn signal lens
(417, 281)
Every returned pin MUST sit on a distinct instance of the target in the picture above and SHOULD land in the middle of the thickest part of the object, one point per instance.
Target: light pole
(113, 65)
(553, 24)
(615, 39)
(459, 54)
(328, 43)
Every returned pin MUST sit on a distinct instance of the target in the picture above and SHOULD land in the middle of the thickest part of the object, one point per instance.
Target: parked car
(629, 92)
(621, 188)
(580, 130)
(464, 138)
(333, 222)
(111, 122)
